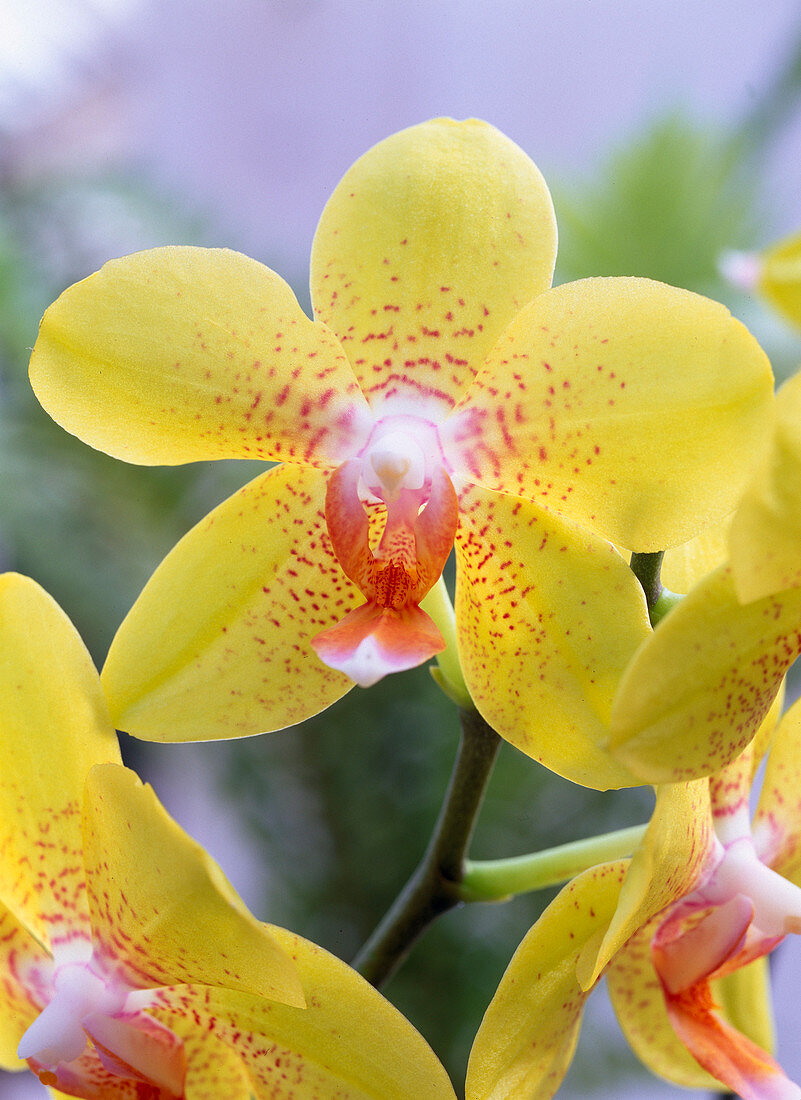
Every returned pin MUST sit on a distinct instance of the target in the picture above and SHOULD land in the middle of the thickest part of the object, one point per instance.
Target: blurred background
(667, 133)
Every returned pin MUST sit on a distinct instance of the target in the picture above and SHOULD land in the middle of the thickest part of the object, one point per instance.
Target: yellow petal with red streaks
(20, 955)
(427, 248)
(765, 540)
(626, 404)
(349, 1043)
(698, 690)
(548, 616)
(217, 645)
(54, 725)
(639, 1003)
(780, 278)
(777, 821)
(180, 354)
(670, 861)
(529, 1032)
(162, 911)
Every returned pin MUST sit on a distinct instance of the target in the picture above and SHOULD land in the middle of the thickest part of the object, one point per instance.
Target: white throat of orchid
(777, 902)
(399, 455)
(57, 1033)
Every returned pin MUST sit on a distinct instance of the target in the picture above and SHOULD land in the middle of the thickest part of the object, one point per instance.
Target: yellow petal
(18, 952)
(163, 913)
(349, 1043)
(427, 248)
(765, 541)
(668, 864)
(548, 616)
(699, 688)
(214, 1071)
(180, 354)
(777, 821)
(684, 566)
(54, 726)
(217, 645)
(780, 278)
(625, 404)
(529, 1032)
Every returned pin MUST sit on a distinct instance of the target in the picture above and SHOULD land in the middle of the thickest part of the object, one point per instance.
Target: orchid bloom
(686, 978)
(442, 393)
(775, 273)
(129, 968)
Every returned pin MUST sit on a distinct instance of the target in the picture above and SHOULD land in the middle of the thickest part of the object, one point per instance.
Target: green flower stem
(646, 568)
(499, 879)
(433, 888)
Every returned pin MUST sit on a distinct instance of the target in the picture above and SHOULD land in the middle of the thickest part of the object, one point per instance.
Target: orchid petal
(676, 850)
(777, 821)
(532, 600)
(699, 688)
(19, 953)
(427, 248)
(624, 404)
(349, 1043)
(765, 541)
(685, 566)
(780, 278)
(54, 725)
(639, 1002)
(162, 911)
(217, 645)
(180, 354)
(529, 1032)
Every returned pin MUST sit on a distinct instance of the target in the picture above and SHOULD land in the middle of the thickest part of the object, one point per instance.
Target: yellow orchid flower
(129, 967)
(681, 932)
(442, 392)
(775, 273)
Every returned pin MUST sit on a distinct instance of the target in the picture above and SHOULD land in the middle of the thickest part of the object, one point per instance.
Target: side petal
(54, 725)
(427, 248)
(675, 852)
(529, 1032)
(349, 1043)
(217, 645)
(697, 691)
(540, 651)
(777, 821)
(19, 1007)
(765, 540)
(780, 278)
(163, 913)
(625, 404)
(180, 354)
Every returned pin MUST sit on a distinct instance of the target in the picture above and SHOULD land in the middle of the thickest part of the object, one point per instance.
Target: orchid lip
(400, 454)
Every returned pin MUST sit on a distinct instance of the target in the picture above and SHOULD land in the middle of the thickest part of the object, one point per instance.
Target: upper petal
(163, 913)
(180, 354)
(699, 688)
(765, 538)
(625, 404)
(349, 1043)
(54, 725)
(548, 616)
(529, 1032)
(217, 645)
(427, 248)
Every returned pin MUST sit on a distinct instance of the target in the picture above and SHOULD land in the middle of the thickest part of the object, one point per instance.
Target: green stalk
(499, 879)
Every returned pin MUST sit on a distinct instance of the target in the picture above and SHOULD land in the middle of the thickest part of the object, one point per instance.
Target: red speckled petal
(162, 911)
(180, 354)
(527, 1037)
(777, 822)
(427, 248)
(548, 616)
(698, 690)
(217, 645)
(54, 725)
(625, 404)
(349, 1043)
(18, 1005)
